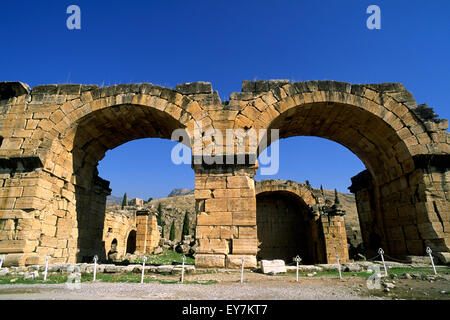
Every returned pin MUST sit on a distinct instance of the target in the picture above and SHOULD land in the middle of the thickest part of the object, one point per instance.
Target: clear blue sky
(224, 42)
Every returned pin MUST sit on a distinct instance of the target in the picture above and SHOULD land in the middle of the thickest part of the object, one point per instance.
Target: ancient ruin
(52, 201)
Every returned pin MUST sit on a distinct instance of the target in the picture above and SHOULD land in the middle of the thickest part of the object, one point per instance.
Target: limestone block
(213, 182)
(234, 261)
(47, 241)
(35, 260)
(213, 246)
(48, 230)
(215, 219)
(12, 246)
(244, 246)
(202, 194)
(222, 232)
(240, 182)
(214, 205)
(210, 260)
(244, 218)
(273, 266)
(14, 259)
(443, 257)
(247, 232)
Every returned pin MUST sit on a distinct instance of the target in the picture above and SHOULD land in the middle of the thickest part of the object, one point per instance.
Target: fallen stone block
(351, 267)
(329, 267)
(443, 257)
(164, 269)
(30, 275)
(273, 266)
(110, 269)
(187, 269)
(418, 259)
(303, 268)
(234, 261)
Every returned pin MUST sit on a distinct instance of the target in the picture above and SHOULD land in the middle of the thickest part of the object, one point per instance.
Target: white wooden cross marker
(143, 269)
(431, 257)
(46, 267)
(242, 270)
(339, 267)
(381, 252)
(95, 266)
(297, 259)
(182, 268)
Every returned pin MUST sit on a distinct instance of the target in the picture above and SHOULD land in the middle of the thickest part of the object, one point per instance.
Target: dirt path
(255, 286)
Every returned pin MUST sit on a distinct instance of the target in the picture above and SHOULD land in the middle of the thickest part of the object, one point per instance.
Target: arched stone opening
(112, 253)
(386, 137)
(131, 242)
(376, 144)
(56, 135)
(95, 134)
(286, 228)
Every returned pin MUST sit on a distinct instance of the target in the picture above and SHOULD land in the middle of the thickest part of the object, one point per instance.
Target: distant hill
(180, 192)
(113, 200)
(180, 201)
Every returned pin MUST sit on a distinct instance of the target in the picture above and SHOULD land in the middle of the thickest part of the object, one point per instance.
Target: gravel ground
(256, 287)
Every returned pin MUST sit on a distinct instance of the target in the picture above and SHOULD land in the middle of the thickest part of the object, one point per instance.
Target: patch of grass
(113, 277)
(419, 270)
(18, 279)
(396, 271)
(335, 273)
(103, 277)
(167, 257)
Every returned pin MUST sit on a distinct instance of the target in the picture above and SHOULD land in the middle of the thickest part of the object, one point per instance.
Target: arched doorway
(109, 118)
(131, 242)
(286, 228)
(112, 253)
(376, 123)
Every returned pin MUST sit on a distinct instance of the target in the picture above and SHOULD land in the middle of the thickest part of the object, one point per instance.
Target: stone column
(147, 235)
(226, 215)
(335, 237)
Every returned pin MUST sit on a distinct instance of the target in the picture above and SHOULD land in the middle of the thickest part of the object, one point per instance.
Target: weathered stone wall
(53, 136)
(414, 211)
(284, 228)
(226, 223)
(118, 225)
(293, 220)
(351, 219)
(335, 238)
(147, 237)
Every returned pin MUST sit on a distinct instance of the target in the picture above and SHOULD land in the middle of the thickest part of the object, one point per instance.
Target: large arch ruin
(291, 220)
(52, 137)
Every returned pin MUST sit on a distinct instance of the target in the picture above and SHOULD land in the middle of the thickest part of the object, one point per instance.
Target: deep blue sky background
(225, 42)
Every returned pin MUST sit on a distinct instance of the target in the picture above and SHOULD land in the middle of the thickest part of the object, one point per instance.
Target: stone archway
(62, 211)
(131, 242)
(51, 200)
(398, 203)
(284, 227)
(291, 220)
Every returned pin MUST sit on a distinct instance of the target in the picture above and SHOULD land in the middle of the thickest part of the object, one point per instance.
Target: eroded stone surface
(53, 203)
